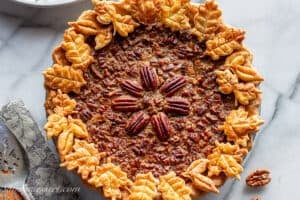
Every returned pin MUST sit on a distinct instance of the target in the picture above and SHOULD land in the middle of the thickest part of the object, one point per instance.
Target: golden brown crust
(111, 178)
(239, 124)
(172, 187)
(207, 20)
(225, 43)
(84, 158)
(144, 187)
(64, 78)
(77, 51)
(225, 159)
(237, 77)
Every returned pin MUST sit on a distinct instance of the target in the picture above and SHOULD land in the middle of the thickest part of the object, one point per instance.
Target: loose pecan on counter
(258, 178)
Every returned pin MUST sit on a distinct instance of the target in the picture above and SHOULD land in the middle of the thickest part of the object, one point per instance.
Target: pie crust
(89, 40)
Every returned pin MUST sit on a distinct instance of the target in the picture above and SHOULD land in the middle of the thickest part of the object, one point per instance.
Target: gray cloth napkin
(46, 180)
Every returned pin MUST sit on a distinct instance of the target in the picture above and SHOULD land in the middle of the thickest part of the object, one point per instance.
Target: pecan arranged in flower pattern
(125, 104)
(149, 105)
(149, 78)
(161, 125)
(132, 88)
(177, 105)
(137, 123)
(173, 85)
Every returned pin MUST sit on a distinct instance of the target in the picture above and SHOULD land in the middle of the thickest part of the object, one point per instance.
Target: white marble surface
(27, 36)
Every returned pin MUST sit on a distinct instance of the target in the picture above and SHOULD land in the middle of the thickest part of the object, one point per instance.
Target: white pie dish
(45, 3)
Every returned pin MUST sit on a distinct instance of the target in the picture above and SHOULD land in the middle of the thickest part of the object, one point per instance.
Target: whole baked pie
(152, 99)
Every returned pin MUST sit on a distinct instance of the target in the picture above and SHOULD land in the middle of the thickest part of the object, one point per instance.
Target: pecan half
(161, 125)
(177, 105)
(125, 104)
(173, 85)
(149, 78)
(137, 123)
(132, 88)
(258, 178)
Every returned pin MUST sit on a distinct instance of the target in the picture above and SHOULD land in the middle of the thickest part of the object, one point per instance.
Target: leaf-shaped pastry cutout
(246, 73)
(64, 78)
(103, 37)
(174, 15)
(145, 11)
(224, 43)
(77, 51)
(172, 187)
(107, 13)
(144, 187)
(226, 80)
(198, 166)
(65, 143)
(223, 159)
(239, 124)
(201, 182)
(84, 158)
(246, 92)
(77, 127)
(240, 63)
(59, 103)
(111, 178)
(207, 20)
(243, 57)
(55, 125)
(87, 23)
(59, 56)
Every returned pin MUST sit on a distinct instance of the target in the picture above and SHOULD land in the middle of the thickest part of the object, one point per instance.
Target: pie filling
(152, 102)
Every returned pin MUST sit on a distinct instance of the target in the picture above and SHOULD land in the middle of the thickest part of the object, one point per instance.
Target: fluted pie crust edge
(73, 56)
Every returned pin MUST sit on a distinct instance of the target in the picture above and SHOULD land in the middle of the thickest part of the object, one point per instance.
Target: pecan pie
(152, 99)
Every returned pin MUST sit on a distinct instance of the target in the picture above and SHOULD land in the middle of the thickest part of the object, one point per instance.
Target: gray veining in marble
(27, 36)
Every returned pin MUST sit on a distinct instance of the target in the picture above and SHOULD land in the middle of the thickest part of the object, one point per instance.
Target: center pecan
(138, 100)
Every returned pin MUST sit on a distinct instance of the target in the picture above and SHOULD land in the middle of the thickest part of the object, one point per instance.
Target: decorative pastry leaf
(198, 166)
(84, 157)
(207, 20)
(246, 73)
(246, 92)
(59, 56)
(240, 64)
(77, 51)
(201, 182)
(64, 78)
(238, 125)
(242, 57)
(59, 103)
(224, 43)
(253, 107)
(144, 187)
(174, 15)
(111, 178)
(103, 37)
(65, 143)
(226, 80)
(224, 159)
(77, 127)
(107, 13)
(87, 23)
(172, 187)
(55, 125)
(145, 11)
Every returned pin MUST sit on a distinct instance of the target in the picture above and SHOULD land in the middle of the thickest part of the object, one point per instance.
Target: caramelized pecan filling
(152, 102)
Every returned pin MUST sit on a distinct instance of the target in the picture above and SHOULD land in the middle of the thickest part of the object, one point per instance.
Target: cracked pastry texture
(152, 98)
